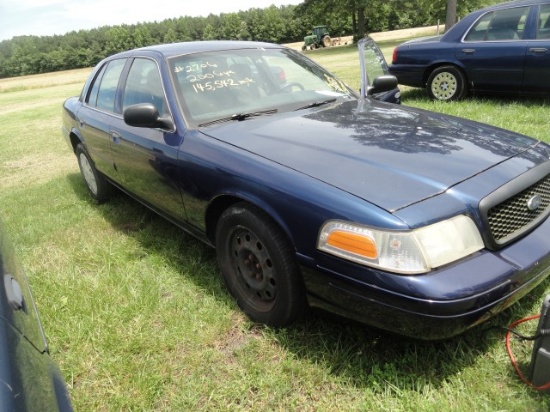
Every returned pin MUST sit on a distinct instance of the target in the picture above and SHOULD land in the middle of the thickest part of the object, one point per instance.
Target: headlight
(411, 252)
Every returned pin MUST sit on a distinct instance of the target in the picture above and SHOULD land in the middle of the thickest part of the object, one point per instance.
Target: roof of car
(176, 49)
(515, 3)
(456, 32)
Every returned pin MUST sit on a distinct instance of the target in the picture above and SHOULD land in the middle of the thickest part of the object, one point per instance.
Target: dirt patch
(337, 41)
(39, 81)
(36, 169)
(28, 105)
(383, 36)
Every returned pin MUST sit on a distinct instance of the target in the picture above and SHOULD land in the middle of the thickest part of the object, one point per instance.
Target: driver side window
(144, 85)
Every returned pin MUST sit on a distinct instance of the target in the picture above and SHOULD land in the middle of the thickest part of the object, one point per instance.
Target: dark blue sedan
(503, 49)
(314, 195)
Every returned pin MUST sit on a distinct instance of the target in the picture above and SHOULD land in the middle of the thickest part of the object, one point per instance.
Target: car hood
(389, 155)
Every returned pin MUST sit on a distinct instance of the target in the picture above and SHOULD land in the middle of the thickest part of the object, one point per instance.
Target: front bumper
(436, 305)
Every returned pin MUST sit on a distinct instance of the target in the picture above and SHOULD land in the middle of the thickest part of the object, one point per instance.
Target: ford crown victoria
(313, 194)
(503, 49)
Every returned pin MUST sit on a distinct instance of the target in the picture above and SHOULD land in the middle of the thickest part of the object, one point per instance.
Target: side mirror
(382, 84)
(146, 115)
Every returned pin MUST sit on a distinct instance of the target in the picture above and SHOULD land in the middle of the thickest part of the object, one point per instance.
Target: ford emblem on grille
(534, 203)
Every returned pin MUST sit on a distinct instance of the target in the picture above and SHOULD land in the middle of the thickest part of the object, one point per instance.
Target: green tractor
(319, 38)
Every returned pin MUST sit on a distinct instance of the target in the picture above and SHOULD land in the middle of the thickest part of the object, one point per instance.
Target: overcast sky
(49, 17)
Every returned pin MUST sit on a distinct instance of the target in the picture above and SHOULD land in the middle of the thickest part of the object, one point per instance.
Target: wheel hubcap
(255, 272)
(88, 173)
(444, 86)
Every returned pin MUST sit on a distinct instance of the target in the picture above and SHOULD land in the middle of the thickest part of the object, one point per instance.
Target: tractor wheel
(304, 47)
(326, 41)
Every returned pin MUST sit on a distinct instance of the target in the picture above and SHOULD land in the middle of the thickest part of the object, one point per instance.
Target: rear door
(537, 62)
(97, 113)
(493, 50)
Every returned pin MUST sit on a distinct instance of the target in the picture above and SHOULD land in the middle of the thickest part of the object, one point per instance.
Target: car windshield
(232, 84)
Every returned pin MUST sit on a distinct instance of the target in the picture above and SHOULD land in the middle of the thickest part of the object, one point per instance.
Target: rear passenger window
(103, 92)
(508, 24)
(543, 31)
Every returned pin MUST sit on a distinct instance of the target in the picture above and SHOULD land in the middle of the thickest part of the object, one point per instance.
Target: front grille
(513, 216)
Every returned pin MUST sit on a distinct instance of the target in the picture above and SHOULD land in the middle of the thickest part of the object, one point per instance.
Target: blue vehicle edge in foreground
(30, 379)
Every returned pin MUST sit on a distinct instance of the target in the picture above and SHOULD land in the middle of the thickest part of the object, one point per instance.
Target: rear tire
(259, 266)
(98, 187)
(447, 83)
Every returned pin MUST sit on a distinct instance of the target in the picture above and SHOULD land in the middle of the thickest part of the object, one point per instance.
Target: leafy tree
(170, 36)
(24, 55)
(141, 36)
(230, 26)
(210, 33)
(118, 39)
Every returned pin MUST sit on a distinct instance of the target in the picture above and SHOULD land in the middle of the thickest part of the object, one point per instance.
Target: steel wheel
(447, 83)
(98, 187)
(88, 173)
(256, 277)
(259, 266)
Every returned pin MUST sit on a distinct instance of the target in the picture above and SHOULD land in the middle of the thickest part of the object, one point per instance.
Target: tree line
(24, 55)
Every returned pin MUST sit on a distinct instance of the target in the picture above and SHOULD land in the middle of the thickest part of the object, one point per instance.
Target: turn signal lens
(406, 252)
(353, 243)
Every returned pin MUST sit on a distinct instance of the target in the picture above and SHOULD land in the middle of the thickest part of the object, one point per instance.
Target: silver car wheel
(88, 173)
(444, 86)
(447, 83)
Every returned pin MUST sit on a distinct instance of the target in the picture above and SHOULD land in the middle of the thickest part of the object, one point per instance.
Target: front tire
(447, 83)
(259, 266)
(98, 187)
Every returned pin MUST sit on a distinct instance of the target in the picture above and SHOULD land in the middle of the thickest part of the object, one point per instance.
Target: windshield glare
(214, 85)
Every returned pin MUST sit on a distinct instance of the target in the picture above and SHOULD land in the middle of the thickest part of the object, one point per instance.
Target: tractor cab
(320, 37)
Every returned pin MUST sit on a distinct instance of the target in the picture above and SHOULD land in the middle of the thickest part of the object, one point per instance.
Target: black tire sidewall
(290, 301)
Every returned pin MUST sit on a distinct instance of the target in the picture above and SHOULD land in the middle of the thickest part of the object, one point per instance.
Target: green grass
(138, 317)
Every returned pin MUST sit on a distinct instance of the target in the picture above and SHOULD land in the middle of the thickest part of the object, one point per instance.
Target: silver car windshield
(218, 85)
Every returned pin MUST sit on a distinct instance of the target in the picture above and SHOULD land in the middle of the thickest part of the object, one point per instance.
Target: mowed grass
(138, 317)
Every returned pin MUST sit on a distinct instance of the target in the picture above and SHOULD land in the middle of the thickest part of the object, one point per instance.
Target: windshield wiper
(317, 104)
(239, 117)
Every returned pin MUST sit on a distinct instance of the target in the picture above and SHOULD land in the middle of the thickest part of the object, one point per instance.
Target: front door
(146, 159)
(493, 51)
(537, 62)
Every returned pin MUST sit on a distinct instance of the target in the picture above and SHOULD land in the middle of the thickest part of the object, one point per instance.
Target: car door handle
(538, 50)
(14, 293)
(468, 51)
(115, 137)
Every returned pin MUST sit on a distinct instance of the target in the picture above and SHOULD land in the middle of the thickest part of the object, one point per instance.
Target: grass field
(138, 317)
